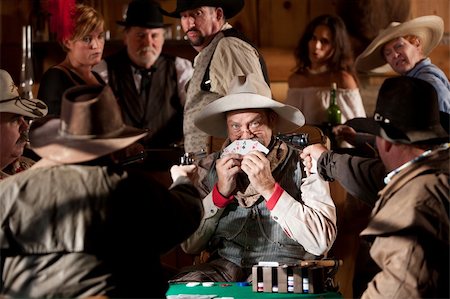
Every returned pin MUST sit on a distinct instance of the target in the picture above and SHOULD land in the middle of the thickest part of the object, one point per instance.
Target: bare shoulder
(346, 80)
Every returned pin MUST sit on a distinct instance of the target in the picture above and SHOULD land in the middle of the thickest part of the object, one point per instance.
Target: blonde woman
(82, 37)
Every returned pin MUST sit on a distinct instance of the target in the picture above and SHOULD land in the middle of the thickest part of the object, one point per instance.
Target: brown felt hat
(90, 126)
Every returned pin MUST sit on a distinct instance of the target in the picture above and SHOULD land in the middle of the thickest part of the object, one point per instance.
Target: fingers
(314, 150)
(228, 162)
(257, 167)
(227, 168)
(345, 132)
(177, 171)
(307, 162)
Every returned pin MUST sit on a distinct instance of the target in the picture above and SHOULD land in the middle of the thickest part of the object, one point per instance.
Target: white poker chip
(192, 284)
(208, 284)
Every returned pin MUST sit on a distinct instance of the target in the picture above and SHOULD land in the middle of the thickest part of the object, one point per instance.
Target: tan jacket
(410, 231)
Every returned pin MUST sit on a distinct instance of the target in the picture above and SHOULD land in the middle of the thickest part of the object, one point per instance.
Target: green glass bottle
(333, 111)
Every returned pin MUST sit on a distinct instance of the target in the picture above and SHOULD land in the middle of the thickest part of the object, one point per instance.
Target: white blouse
(314, 101)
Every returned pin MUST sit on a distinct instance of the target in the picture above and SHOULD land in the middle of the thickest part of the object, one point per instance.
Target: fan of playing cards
(244, 146)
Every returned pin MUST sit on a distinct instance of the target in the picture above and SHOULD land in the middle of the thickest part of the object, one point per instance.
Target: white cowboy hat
(249, 92)
(429, 29)
(90, 126)
(11, 102)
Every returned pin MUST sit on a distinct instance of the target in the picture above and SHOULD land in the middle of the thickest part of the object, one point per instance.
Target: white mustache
(144, 50)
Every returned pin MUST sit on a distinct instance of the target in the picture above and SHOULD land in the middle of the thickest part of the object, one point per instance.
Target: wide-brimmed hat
(90, 126)
(11, 102)
(246, 92)
(406, 112)
(429, 29)
(230, 7)
(143, 13)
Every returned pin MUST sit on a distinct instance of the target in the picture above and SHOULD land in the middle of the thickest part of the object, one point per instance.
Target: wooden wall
(274, 26)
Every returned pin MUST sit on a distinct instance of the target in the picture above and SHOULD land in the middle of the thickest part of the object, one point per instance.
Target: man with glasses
(258, 205)
(15, 112)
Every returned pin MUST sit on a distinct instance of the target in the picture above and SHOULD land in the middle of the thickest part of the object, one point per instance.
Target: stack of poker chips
(303, 278)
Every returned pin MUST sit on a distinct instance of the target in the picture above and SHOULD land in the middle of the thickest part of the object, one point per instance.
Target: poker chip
(192, 284)
(208, 284)
(243, 284)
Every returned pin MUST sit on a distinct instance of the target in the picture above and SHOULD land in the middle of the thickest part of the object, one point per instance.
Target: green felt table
(223, 289)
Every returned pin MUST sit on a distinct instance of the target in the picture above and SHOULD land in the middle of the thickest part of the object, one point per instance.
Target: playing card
(243, 147)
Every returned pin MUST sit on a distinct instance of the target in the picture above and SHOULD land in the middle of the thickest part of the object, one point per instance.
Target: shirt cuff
(219, 200)
(275, 197)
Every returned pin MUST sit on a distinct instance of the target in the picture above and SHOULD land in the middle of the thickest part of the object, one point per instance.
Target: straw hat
(230, 7)
(249, 92)
(406, 112)
(90, 126)
(11, 102)
(429, 29)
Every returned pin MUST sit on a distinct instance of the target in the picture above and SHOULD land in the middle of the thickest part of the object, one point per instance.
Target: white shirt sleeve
(200, 238)
(184, 73)
(312, 222)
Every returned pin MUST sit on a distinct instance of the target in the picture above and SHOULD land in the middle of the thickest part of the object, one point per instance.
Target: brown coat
(409, 231)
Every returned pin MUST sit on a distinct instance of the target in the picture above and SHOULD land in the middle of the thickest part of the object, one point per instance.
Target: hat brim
(32, 108)
(230, 7)
(212, 118)
(48, 143)
(429, 29)
(432, 135)
(364, 125)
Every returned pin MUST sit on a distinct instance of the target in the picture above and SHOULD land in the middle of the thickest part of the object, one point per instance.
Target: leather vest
(161, 111)
(246, 236)
(199, 95)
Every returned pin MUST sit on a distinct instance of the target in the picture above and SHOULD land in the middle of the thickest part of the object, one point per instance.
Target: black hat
(230, 7)
(143, 13)
(406, 112)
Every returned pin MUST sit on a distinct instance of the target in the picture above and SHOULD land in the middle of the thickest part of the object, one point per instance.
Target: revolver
(190, 158)
(297, 140)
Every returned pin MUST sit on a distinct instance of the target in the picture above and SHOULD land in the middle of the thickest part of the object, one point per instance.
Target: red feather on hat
(61, 17)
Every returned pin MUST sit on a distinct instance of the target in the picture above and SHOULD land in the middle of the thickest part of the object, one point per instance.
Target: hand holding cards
(244, 146)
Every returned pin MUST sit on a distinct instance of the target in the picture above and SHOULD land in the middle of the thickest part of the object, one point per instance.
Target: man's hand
(227, 168)
(257, 167)
(346, 133)
(177, 171)
(310, 153)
